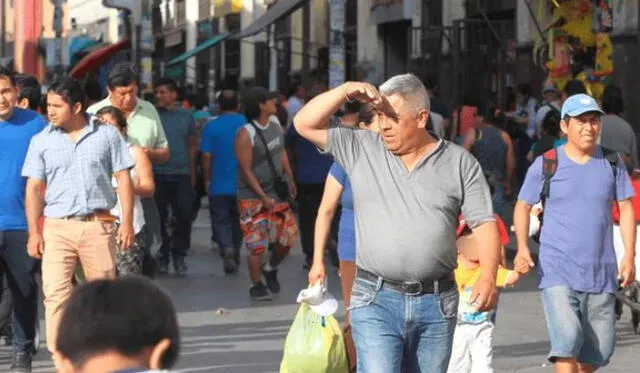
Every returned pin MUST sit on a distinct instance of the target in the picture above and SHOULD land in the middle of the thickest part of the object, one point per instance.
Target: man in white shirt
(551, 100)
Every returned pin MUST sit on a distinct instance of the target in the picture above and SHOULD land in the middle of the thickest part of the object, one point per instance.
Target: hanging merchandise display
(577, 43)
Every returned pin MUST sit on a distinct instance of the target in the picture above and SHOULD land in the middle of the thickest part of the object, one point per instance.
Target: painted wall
(27, 35)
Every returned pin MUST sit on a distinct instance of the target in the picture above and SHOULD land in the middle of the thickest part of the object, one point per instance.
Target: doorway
(396, 47)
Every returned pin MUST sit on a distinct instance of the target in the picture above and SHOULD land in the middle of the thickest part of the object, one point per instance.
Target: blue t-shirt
(218, 139)
(346, 230)
(15, 135)
(178, 125)
(312, 166)
(576, 242)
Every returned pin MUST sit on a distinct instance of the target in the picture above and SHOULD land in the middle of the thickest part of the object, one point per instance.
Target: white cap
(319, 299)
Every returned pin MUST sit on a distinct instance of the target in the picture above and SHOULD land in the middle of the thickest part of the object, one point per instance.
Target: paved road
(248, 337)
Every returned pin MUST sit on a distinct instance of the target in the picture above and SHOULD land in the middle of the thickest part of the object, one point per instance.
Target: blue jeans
(174, 191)
(395, 332)
(19, 269)
(225, 222)
(581, 325)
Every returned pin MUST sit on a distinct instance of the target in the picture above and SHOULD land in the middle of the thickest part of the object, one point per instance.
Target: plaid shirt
(78, 175)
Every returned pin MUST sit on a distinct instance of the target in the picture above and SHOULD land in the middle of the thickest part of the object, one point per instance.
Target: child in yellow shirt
(473, 339)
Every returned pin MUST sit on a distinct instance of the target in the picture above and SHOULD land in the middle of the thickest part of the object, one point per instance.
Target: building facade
(91, 18)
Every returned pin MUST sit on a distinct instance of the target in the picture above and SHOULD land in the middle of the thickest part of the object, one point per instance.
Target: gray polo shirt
(406, 221)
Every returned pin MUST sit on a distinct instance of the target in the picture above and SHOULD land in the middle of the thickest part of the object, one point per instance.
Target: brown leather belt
(411, 287)
(98, 215)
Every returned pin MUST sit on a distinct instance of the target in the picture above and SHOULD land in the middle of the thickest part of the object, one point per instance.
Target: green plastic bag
(314, 345)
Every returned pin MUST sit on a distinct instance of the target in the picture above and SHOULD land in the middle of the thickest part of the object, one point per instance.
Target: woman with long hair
(337, 192)
(130, 262)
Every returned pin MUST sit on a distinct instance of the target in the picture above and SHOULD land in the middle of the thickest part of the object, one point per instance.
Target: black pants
(19, 269)
(309, 198)
(5, 301)
(174, 191)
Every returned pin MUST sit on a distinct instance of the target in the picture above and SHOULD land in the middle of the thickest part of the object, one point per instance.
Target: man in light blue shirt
(74, 158)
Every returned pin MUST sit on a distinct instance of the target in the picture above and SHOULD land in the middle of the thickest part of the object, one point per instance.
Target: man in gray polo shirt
(409, 189)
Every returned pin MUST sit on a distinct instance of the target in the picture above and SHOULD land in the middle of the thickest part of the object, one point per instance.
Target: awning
(278, 11)
(200, 48)
(97, 58)
(80, 46)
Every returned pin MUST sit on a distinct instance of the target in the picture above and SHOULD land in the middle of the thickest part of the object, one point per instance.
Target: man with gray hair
(409, 189)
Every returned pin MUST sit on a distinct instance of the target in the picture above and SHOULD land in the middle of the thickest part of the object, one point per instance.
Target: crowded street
(224, 331)
(319, 186)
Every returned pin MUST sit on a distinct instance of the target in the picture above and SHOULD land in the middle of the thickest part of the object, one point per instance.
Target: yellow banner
(223, 7)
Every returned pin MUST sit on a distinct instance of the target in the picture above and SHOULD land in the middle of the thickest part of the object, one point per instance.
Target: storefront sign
(385, 11)
(146, 73)
(173, 38)
(147, 40)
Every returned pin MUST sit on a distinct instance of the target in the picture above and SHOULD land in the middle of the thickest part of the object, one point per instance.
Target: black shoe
(21, 363)
(308, 262)
(272, 280)
(6, 335)
(260, 292)
(179, 266)
(229, 261)
(163, 267)
(149, 266)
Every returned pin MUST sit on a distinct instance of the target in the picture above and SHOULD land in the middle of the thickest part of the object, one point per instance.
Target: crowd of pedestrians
(406, 198)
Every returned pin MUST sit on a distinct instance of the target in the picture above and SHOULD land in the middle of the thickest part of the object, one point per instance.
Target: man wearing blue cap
(578, 269)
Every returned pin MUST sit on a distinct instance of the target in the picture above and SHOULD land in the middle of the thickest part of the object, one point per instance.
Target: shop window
(232, 53)
(262, 63)
(323, 59)
(282, 31)
(181, 12)
(204, 9)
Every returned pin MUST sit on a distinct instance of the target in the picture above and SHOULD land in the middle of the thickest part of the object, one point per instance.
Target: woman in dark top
(551, 135)
(494, 150)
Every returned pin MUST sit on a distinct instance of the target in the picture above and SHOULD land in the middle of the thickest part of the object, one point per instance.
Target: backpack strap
(613, 158)
(549, 168)
(553, 108)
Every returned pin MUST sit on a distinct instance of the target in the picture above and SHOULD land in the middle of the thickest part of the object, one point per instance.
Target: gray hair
(410, 88)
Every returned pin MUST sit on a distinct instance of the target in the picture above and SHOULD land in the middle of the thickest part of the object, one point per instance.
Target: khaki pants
(66, 242)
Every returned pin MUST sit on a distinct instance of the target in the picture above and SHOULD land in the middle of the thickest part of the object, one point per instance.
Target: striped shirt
(78, 175)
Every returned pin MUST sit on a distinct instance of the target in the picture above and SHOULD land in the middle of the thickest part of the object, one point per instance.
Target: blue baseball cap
(579, 104)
